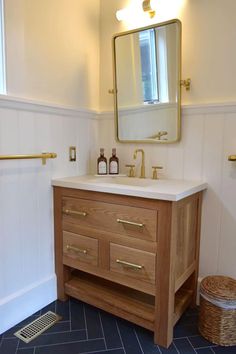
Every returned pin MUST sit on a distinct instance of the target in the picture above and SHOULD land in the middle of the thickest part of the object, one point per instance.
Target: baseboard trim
(22, 304)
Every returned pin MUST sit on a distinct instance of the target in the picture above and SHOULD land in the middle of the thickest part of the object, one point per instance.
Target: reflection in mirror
(147, 76)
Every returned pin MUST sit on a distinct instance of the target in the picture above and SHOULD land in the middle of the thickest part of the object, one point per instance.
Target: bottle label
(102, 168)
(113, 167)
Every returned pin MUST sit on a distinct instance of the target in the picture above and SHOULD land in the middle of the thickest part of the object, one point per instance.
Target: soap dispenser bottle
(102, 163)
(113, 163)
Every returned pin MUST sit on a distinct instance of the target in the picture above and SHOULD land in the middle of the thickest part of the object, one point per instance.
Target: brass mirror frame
(114, 91)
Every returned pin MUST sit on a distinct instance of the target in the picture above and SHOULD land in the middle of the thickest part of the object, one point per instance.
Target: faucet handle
(154, 173)
(131, 170)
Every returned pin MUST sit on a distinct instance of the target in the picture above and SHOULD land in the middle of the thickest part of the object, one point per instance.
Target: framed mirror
(147, 65)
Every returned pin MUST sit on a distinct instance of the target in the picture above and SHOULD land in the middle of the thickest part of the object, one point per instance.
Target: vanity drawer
(132, 263)
(80, 248)
(127, 220)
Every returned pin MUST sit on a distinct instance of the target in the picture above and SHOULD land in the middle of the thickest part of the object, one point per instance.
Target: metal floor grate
(38, 326)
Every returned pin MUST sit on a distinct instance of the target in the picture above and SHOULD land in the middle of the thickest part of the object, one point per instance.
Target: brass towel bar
(44, 156)
(232, 157)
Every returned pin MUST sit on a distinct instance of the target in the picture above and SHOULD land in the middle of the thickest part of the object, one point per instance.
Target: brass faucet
(142, 174)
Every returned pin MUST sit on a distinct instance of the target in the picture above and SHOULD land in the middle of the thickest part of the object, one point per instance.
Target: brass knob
(131, 172)
(155, 168)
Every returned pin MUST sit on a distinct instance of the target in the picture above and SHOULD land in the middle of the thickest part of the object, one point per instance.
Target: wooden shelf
(183, 299)
(121, 301)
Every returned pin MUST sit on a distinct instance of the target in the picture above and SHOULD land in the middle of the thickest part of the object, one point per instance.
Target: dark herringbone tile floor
(85, 329)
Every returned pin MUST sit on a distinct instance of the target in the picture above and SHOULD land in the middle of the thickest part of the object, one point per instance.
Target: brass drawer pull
(75, 249)
(131, 265)
(129, 223)
(73, 212)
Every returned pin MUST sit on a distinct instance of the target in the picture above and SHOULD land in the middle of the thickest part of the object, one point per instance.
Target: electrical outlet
(72, 153)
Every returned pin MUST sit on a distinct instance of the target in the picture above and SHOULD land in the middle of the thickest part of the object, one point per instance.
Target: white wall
(52, 50)
(52, 57)
(208, 132)
(26, 215)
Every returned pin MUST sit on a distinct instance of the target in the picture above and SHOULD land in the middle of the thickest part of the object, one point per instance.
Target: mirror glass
(147, 83)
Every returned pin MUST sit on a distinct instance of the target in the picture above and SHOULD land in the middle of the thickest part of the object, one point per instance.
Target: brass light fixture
(148, 7)
(186, 83)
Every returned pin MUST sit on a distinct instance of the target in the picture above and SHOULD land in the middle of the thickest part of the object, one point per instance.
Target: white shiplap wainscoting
(27, 276)
(208, 137)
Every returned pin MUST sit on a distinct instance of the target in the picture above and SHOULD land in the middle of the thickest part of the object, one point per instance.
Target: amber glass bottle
(102, 163)
(113, 163)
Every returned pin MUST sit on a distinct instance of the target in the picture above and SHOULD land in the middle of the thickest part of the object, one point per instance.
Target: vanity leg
(60, 284)
(165, 292)
(197, 238)
(62, 272)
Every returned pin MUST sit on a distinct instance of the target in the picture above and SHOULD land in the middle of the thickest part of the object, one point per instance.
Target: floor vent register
(37, 327)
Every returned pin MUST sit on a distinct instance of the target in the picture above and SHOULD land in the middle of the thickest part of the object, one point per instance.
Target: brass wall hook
(186, 83)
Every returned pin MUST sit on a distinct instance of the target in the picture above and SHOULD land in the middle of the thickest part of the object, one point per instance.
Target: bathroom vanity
(129, 246)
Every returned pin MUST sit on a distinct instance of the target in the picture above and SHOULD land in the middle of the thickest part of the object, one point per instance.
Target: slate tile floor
(85, 329)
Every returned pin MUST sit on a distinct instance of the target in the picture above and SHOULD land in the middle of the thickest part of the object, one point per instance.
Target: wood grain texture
(107, 236)
(113, 299)
(164, 306)
(187, 235)
(131, 255)
(185, 225)
(167, 247)
(197, 248)
(104, 216)
(133, 283)
(88, 244)
(183, 299)
(111, 198)
(62, 272)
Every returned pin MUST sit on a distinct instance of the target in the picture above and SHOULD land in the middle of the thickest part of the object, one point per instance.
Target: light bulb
(122, 14)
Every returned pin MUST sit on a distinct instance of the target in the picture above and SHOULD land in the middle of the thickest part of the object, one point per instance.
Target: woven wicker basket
(217, 318)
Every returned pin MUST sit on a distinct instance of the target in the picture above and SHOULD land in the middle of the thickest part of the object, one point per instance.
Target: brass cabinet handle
(76, 249)
(129, 223)
(73, 212)
(131, 265)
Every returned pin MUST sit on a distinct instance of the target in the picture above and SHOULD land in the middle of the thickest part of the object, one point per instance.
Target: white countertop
(164, 189)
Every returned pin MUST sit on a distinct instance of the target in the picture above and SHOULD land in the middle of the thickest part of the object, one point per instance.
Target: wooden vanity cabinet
(134, 257)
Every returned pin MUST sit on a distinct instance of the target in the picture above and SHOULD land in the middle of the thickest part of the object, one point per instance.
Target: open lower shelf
(122, 301)
(183, 299)
(119, 300)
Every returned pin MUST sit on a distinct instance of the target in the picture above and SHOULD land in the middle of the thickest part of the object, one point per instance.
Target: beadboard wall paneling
(27, 277)
(208, 137)
(26, 215)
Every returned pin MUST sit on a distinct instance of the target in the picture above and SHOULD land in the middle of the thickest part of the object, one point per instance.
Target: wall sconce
(148, 7)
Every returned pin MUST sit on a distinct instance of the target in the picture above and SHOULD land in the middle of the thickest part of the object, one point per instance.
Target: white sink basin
(164, 189)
